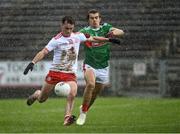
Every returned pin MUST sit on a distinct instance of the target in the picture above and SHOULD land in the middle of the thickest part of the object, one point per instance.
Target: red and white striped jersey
(66, 50)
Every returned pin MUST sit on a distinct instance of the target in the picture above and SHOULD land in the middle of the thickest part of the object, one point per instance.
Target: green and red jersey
(97, 54)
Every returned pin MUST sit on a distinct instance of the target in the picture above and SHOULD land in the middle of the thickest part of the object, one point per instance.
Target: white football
(62, 89)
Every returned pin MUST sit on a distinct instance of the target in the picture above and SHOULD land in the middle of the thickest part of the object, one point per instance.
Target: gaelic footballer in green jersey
(96, 60)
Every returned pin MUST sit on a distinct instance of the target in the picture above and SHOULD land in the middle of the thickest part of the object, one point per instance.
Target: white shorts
(102, 75)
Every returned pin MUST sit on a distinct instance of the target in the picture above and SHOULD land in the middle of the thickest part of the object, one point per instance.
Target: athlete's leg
(98, 88)
(90, 85)
(71, 98)
(69, 118)
(41, 95)
(102, 79)
(45, 91)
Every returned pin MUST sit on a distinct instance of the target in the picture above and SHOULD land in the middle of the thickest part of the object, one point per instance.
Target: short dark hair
(93, 11)
(68, 19)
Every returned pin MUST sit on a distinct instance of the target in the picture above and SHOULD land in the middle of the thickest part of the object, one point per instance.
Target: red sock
(85, 107)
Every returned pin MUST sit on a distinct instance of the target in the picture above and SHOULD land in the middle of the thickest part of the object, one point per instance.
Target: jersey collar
(95, 29)
(65, 35)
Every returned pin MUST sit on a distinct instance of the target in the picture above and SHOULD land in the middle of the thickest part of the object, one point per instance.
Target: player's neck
(65, 35)
(95, 28)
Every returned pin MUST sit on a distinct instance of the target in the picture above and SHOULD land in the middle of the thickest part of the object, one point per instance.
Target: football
(62, 89)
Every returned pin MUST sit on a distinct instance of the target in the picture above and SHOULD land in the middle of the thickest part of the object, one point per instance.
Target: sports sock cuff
(85, 107)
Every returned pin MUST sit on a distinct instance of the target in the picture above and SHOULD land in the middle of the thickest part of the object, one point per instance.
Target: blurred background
(145, 64)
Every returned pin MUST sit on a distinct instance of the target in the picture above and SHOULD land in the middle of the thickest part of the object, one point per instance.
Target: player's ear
(99, 19)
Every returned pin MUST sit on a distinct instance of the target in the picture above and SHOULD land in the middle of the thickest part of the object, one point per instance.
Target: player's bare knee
(71, 97)
(90, 85)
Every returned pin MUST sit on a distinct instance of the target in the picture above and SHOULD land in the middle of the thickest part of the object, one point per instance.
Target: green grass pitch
(108, 115)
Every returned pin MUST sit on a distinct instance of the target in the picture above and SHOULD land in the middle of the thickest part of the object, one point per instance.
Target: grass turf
(108, 115)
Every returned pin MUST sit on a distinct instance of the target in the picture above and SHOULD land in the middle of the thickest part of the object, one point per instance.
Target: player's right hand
(114, 40)
(29, 67)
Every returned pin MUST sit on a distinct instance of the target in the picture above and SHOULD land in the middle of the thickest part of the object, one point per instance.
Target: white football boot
(82, 117)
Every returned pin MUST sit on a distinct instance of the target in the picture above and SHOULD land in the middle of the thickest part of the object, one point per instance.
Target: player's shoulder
(58, 36)
(77, 33)
(106, 24)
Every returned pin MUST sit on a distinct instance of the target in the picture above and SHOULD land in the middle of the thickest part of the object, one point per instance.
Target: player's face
(94, 20)
(67, 29)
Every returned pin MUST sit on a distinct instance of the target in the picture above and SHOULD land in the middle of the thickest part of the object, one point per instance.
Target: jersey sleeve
(82, 30)
(82, 37)
(107, 27)
(51, 45)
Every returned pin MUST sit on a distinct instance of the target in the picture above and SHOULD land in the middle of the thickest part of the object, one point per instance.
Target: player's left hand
(114, 40)
(29, 67)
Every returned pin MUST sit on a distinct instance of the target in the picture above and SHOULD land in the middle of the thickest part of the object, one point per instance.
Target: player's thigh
(89, 76)
(46, 89)
(73, 86)
(102, 75)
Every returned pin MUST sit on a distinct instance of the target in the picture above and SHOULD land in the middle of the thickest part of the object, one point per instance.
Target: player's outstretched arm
(103, 39)
(39, 56)
(98, 39)
(115, 32)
